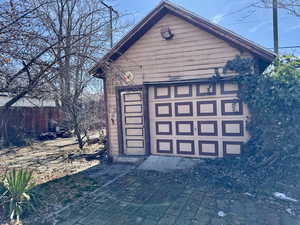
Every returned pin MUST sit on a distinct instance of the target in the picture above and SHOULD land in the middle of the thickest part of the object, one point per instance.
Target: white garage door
(197, 120)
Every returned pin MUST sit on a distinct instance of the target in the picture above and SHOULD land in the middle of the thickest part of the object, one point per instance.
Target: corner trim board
(147, 134)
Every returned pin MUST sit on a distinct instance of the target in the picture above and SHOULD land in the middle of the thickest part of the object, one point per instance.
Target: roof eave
(221, 32)
(130, 34)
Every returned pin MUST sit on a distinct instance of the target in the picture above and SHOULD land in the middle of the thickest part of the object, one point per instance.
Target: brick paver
(152, 198)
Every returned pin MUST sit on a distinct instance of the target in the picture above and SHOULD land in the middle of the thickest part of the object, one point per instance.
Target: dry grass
(48, 159)
(49, 162)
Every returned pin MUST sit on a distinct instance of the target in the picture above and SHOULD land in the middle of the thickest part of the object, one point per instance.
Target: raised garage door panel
(197, 120)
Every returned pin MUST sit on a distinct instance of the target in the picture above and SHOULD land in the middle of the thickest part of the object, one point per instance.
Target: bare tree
(46, 49)
(291, 6)
(24, 47)
(73, 19)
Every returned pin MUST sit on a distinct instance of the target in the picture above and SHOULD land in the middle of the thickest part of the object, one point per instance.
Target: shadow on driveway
(123, 195)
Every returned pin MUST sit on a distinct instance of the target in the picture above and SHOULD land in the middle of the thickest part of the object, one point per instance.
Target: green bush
(273, 99)
(17, 184)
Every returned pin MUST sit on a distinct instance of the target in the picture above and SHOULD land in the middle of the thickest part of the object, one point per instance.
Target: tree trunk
(78, 135)
(4, 139)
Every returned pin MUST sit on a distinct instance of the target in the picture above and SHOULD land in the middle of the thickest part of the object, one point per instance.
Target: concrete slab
(168, 163)
(129, 159)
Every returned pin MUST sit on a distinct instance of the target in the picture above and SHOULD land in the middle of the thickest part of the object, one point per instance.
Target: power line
(252, 21)
(241, 9)
(295, 46)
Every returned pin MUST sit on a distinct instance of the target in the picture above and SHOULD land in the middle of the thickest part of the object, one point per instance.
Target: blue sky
(256, 26)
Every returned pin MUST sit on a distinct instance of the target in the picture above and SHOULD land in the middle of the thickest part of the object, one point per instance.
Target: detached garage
(161, 93)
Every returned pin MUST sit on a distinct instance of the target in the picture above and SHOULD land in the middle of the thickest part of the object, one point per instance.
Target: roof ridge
(165, 7)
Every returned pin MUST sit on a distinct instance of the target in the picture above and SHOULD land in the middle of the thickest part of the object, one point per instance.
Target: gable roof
(166, 7)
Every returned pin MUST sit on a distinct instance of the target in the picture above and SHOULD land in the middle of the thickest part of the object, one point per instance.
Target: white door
(133, 122)
(197, 120)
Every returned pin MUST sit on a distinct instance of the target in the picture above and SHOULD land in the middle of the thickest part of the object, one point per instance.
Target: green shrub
(273, 99)
(17, 184)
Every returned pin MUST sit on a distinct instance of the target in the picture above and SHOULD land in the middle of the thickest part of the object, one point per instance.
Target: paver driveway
(177, 198)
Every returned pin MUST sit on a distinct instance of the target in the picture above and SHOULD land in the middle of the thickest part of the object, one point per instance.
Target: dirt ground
(48, 159)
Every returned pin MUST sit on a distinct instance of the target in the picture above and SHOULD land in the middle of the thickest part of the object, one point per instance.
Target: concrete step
(168, 163)
(129, 159)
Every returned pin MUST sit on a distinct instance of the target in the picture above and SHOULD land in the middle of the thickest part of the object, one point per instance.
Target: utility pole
(111, 10)
(275, 26)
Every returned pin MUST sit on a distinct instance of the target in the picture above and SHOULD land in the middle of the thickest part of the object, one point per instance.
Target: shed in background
(29, 117)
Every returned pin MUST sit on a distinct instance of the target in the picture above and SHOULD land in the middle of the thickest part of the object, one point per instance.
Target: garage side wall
(192, 53)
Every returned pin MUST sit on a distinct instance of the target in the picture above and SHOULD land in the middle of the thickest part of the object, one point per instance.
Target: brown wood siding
(192, 53)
